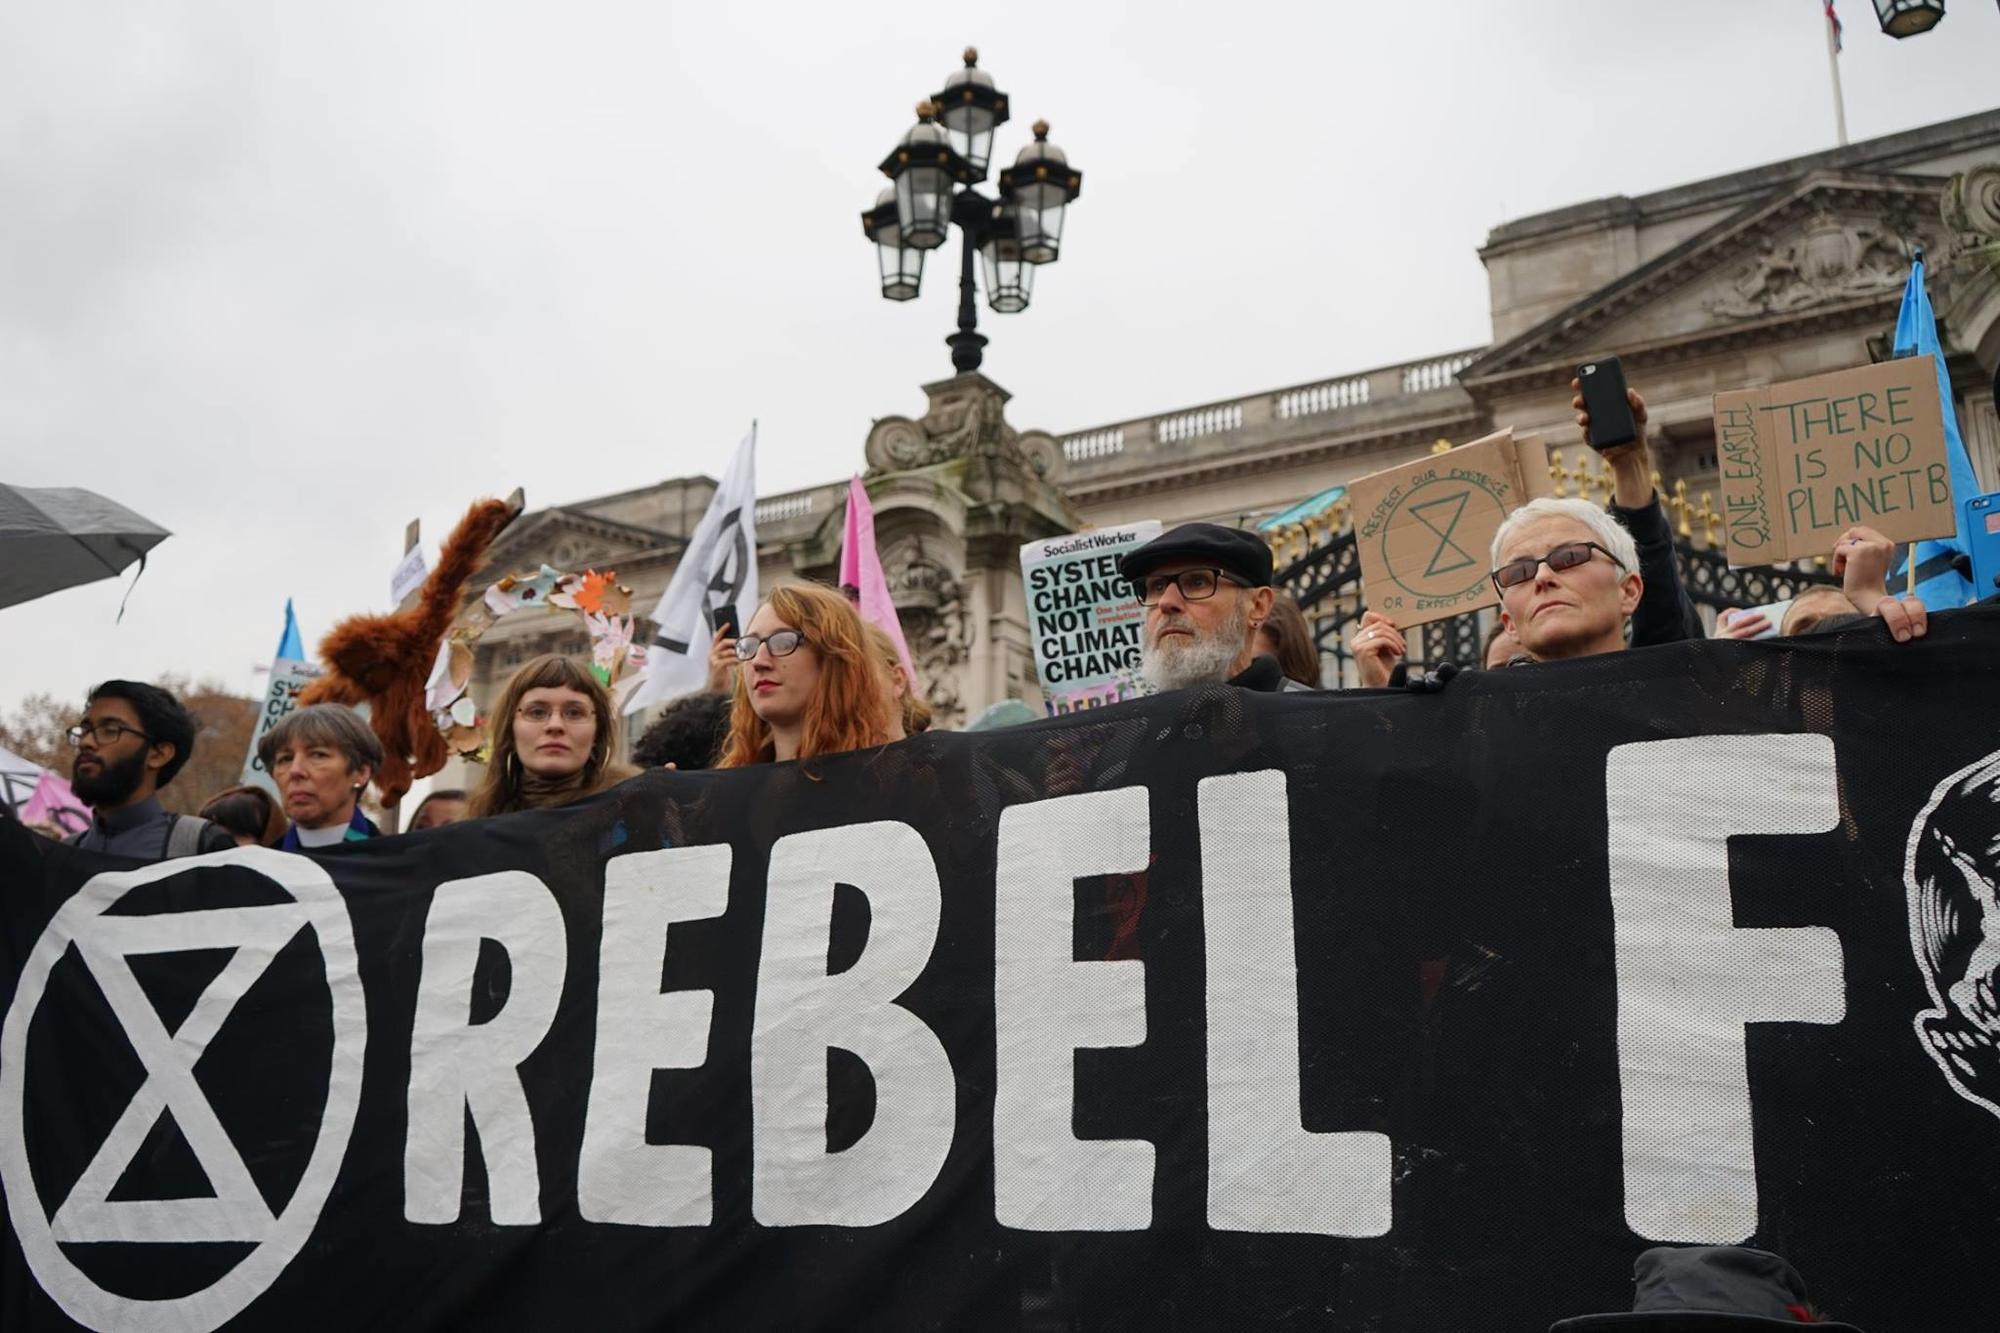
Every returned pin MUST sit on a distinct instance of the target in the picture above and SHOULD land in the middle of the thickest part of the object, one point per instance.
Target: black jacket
(1665, 613)
(1266, 675)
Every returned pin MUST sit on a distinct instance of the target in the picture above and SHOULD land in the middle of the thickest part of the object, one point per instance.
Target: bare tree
(35, 730)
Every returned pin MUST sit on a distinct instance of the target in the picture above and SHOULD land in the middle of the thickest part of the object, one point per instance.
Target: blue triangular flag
(290, 647)
(1939, 562)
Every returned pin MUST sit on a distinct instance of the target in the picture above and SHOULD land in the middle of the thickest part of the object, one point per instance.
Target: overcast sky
(284, 277)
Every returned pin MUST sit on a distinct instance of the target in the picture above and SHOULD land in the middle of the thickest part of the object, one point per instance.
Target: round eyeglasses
(574, 715)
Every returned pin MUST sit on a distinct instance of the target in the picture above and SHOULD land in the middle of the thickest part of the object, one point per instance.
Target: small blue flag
(1940, 563)
(1311, 507)
(290, 647)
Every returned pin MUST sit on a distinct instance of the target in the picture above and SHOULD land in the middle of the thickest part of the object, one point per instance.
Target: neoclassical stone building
(1762, 275)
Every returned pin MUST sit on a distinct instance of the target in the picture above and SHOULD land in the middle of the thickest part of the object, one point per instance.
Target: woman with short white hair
(1568, 577)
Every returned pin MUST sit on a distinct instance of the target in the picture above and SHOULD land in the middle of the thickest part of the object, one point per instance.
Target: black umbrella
(58, 537)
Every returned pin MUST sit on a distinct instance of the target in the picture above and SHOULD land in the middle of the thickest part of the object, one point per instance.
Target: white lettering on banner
(1046, 1005)
(802, 1013)
(1265, 1171)
(236, 1210)
(456, 1064)
(1689, 978)
(621, 1177)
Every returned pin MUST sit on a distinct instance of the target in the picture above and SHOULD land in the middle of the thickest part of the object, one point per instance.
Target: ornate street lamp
(1042, 183)
(1907, 18)
(971, 109)
(935, 169)
(1009, 275)
(902, 265)
(924, 167)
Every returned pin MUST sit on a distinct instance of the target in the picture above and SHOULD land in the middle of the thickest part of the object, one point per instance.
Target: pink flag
(861, 570)
(54, 803)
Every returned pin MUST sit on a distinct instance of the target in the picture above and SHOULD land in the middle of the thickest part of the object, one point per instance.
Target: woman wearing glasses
(808, 683)
(553, 738)
(1568, 577)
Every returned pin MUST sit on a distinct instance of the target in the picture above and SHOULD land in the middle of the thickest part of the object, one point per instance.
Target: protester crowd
(809, 677)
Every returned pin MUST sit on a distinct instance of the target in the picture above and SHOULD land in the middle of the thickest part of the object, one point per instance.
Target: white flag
(718, 568)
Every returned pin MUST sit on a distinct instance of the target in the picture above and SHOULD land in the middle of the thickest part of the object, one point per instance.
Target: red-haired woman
(809, 683)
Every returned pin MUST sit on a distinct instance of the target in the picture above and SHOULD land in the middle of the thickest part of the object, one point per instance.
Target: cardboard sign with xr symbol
(1425, 529)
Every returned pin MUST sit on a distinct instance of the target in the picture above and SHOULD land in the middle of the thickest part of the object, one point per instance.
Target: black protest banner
(1211, 1010)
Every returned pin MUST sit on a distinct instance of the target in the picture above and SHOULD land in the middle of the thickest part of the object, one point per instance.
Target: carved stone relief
(967, 419)
(930, 602)
(1835, 259)
(1971, 208)
(1041, 451)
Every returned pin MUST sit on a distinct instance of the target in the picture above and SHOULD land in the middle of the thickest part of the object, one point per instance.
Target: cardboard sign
(1425, 529)
(288, 677)
(409, 576)
(1083, 617)
(1804, 461)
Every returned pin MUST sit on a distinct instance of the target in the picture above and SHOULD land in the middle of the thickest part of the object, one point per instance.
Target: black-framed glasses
(1196, 585)
(1567, 556)
(782, 643)
(108, 732)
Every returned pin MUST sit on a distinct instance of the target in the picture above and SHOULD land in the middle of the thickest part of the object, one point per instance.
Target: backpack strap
(184, 836)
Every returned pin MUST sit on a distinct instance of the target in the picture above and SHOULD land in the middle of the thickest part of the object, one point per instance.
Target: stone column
(956, 492)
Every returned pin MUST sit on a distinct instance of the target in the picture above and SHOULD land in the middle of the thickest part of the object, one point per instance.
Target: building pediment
(1834, 247)
(573, 541)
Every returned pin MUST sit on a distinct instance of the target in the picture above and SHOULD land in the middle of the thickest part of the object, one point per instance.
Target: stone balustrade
(1108, 448)
(778, 508)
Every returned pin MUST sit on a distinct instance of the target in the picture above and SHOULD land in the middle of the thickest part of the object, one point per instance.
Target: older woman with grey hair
(322, 758)
(1568, 577)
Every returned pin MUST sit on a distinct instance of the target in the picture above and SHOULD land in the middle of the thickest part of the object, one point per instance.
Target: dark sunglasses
(782, 643)
(1567, 556)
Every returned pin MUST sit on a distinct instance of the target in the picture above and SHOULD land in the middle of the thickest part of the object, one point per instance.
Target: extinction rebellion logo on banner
(108, 943)
(1954, 883)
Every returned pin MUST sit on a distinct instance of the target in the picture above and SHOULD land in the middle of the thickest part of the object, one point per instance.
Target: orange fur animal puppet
(385, 660)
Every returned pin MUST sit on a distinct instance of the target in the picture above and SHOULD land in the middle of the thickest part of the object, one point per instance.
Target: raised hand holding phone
(1630, 464)
(1609, 419)
(722, 650)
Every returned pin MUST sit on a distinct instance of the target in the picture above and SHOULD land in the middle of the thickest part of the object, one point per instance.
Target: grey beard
(1206, 661)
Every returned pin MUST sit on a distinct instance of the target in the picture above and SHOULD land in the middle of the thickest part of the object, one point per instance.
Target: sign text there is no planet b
(1804, 461)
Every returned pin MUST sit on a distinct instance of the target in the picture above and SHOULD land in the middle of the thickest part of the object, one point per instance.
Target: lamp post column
(967, 344)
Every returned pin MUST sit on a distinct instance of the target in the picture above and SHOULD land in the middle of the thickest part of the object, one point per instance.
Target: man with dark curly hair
(132, 740)
(688, 734)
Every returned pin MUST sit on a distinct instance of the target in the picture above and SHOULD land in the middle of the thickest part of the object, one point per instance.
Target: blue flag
(290, 647)
(1939, 562)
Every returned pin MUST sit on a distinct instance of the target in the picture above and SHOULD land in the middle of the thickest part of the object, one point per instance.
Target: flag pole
(1833, 66)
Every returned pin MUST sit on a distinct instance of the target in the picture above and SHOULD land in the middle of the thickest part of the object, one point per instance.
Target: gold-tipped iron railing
(1697, 525)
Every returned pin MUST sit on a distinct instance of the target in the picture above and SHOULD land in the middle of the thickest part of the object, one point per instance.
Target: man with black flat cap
(1206, 589)
(1690, 1289)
